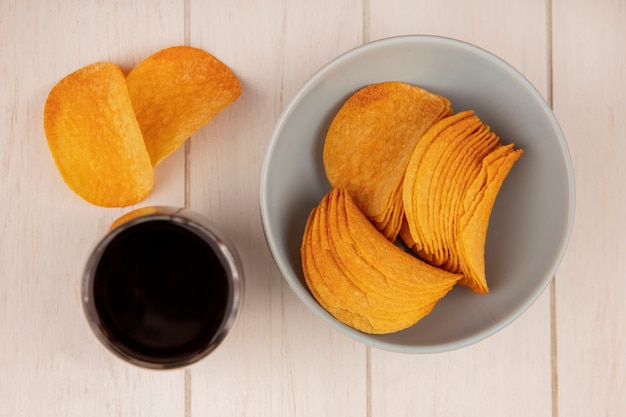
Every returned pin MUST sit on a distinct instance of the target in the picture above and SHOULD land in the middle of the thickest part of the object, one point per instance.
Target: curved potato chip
(382, 291)
(175, 92)
(369, 143)
(94, 137)
(475, 149)
(360, 277)
(421, 170)
(319, 267)
(474, 223)
(450, 186)
(329, 282)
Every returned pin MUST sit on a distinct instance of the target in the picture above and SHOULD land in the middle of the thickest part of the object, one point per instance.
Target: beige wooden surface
(566, 356)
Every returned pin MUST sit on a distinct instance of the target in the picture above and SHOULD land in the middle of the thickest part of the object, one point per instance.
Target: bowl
(531, 220)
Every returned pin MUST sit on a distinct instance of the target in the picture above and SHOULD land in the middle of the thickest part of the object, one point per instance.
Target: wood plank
(514, 31)
(509, 373)
(50, 361)
(506, 374)
(280, 360)
(589, 85)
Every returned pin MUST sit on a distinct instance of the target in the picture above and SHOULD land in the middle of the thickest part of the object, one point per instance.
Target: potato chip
(369, 143)
(319, 268)
(360, 277)
(415, 216)
(330, 283)
(476, 147)
(359, 270)
(175, 92)
(452, 179)
(474, 223)
(95, 139)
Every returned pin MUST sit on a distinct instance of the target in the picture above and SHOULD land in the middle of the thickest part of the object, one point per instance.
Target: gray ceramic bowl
(533, 214)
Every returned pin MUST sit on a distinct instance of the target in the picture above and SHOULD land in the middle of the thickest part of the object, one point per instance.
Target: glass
(162, 288)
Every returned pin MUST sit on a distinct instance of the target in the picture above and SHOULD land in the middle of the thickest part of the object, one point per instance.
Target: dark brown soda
(160, 291)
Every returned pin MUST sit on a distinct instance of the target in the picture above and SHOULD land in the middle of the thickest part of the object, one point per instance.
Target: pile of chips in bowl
(402, 164)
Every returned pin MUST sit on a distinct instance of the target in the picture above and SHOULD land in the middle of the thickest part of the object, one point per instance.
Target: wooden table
(566, 356)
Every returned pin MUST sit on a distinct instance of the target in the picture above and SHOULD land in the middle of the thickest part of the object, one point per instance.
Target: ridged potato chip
(359, 276)
(94, 138)
(176, 91)
(369, 143)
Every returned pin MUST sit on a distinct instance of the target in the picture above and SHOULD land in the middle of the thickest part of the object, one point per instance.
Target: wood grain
(589, 85)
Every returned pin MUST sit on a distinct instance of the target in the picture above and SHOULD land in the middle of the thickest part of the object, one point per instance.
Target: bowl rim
(282, 262)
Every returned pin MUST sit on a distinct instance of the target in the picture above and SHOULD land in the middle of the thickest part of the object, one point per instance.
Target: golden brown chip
(400, 268)
(417, 180)
(94, 137)
(474, 223)
(442, 179)
(477, 146)
(369, 143)
(320, 268)
(407, 238)
(382, 291)
(175, 92)
(360, 277)
(453, 177)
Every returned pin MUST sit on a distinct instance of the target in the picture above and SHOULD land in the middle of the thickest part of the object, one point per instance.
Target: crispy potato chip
(369, 143)
(407, 238)
(474, 223)
(421, 170)
(175, 92)
(476, 147)
(319, 267)
(360, 277)
(95, 139)
(330, 284)
(364, 275)
(452, 179)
